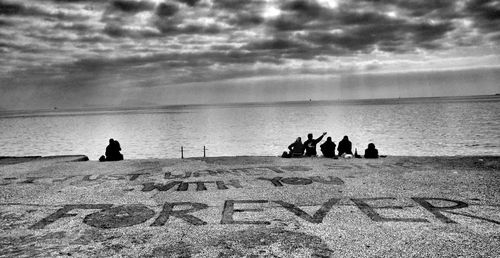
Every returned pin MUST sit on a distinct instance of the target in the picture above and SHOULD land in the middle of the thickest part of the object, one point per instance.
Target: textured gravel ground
(250, 207)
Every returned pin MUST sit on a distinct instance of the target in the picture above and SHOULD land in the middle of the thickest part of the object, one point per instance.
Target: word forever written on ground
(107, 216)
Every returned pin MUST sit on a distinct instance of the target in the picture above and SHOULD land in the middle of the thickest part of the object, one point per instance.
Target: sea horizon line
(361, 101)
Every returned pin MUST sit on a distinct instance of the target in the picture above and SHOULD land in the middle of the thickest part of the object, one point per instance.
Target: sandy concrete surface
(250, 207)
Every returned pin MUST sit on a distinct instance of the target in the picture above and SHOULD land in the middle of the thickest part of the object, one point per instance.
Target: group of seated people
(112, 151)
(344, 149)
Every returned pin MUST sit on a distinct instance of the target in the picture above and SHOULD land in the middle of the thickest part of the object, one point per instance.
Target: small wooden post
(182, 152)
(204, 152)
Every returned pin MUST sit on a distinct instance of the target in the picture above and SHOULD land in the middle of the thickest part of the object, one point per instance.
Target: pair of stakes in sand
(204, 152)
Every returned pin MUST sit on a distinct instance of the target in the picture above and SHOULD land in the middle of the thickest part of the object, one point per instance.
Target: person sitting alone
(345, 146)
(112, 151)
(328, 148)
(310, 144)
(296, 148)
(371, 152)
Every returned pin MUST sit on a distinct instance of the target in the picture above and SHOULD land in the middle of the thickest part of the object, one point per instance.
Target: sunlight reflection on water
(441, 128)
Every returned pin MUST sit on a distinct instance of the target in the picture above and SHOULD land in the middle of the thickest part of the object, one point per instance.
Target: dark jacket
(371, 153)
(310, 146)
(113, 151)
(345, 146)
(328, 149)
(296, 149)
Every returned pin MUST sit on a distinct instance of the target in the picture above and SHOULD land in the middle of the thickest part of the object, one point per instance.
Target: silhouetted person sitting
(328, 148)
(310, 144)
(113, 151)
(296, 148)
(345, 146)
(371, 152)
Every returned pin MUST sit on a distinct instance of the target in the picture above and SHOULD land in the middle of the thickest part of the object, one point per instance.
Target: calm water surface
(431, 127)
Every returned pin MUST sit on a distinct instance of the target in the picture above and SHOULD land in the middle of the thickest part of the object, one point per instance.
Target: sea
(445, 126)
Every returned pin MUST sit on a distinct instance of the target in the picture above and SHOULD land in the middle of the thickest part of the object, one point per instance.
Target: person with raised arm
(310, 144)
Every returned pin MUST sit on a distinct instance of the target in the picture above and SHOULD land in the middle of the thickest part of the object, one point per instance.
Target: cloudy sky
(86, 53)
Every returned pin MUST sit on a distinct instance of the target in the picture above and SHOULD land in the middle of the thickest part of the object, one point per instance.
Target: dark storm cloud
(440, 8)
(167, 9)
(391, 37)
(11, 8)
(363, 26)
(132, 6)
(240, 14)
(425, 32)
(165, 20)
(78, 1)
(116, 31)
(298, 15)
(4, 23)
(237, 5)
(16, 9)
(189, 2)
(310, 15)
(169, 23)
(364, 18)
(287, 23)
(305, 8)
(245, 19)
(486, 14)
(76, 27)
